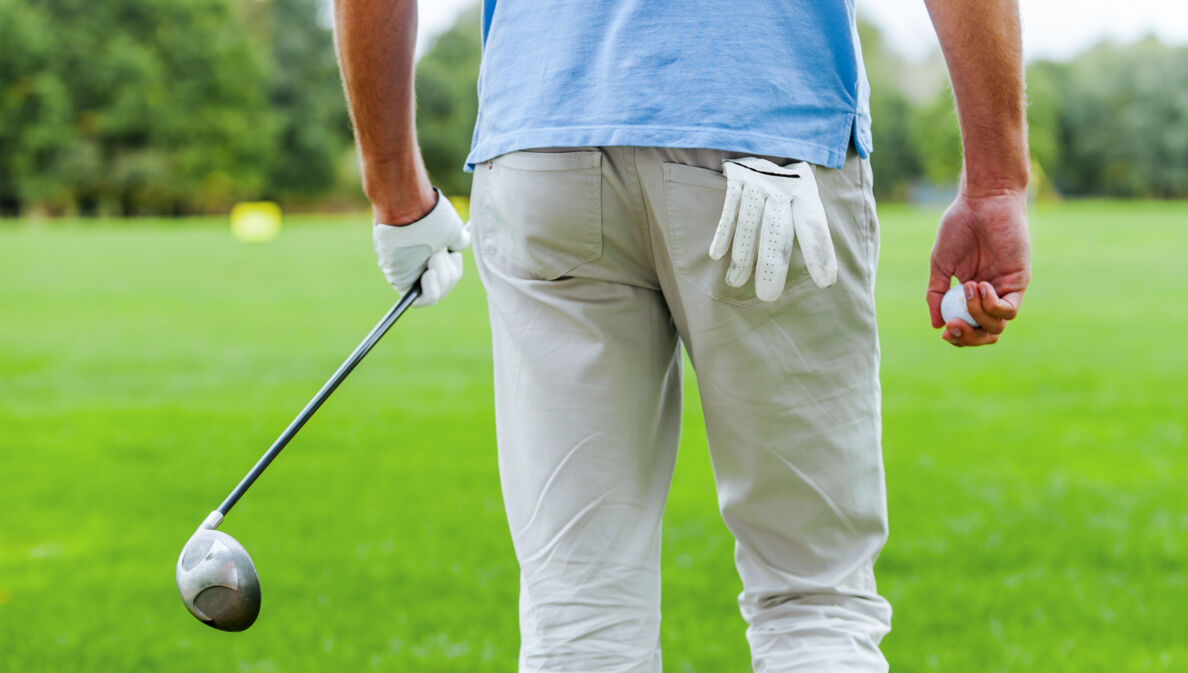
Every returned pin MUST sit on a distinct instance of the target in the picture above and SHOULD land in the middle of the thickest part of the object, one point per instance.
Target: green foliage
(936, 135)
(1111, 122)
(1123, 121)
(897, 162)
(165, 106)
(447, 102)
(1043, 113)
(34, 106)
(305, 94)
(170, 95)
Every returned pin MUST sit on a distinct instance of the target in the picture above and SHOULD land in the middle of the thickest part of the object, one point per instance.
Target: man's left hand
(427, 249)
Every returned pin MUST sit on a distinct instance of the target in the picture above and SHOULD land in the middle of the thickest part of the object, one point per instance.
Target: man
(653, 173)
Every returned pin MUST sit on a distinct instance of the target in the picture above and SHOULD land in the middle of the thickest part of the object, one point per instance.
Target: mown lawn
(1038, 489)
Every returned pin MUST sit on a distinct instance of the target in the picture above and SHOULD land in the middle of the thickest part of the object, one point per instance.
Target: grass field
(1038, 489)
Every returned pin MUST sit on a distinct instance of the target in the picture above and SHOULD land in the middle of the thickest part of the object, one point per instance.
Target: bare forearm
(982, 44)
(376, 40)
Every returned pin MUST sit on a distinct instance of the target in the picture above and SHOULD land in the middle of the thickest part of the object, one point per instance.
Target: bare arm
(982, 239)
(376, 40)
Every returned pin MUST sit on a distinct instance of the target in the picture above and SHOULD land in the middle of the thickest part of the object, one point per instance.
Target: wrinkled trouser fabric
(596, 269)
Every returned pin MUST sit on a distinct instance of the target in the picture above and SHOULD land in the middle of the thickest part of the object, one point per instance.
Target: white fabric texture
(768, 207)
(429, 249)
(596, 271)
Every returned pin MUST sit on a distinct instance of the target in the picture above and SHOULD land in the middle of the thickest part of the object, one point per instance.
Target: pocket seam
(543, 162)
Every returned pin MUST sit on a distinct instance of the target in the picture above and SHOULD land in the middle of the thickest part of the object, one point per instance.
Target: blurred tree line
(1113, 122)
(165, 106)
(180, 106)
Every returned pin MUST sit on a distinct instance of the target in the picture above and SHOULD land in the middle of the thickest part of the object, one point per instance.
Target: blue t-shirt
(772, 77)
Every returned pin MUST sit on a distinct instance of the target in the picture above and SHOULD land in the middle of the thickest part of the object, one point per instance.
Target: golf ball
(953, 306)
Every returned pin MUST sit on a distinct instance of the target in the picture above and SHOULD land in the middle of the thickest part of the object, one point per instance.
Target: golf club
(215, 576)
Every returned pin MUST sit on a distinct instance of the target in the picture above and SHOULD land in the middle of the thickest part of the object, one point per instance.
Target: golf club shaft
(345, 368)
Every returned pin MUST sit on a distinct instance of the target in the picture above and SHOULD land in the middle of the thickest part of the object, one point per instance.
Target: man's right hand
(982, 238)
(428, 249)
(982, 241)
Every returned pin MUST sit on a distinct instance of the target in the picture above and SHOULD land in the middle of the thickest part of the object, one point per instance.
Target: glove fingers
(402, 267)
(451, 272)
(429, 290)
(432, 281)
(725, 231)
(775, 249)
(461, 240)
(742, 257)
(815, 242)
(445, 269)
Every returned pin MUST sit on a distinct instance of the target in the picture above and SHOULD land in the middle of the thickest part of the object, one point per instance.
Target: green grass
(1037, 488)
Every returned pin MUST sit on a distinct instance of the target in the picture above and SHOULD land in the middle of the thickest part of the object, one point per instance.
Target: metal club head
(217, 580)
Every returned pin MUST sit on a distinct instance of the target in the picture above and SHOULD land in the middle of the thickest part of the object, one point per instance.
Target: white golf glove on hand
(427, 249)
(766, 207)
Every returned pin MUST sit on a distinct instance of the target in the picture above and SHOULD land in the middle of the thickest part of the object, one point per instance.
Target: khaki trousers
(596, 269)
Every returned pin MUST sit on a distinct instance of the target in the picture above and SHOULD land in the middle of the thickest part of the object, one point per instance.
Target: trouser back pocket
(541, 212)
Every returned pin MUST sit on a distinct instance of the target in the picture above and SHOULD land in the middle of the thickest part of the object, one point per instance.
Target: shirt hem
(728, 140)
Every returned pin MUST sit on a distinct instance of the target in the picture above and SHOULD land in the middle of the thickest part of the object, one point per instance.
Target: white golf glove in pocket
(428, 249)
(768, 207)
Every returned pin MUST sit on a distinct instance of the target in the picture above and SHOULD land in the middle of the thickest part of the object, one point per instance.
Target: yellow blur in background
(462, 205)
(256, 221)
